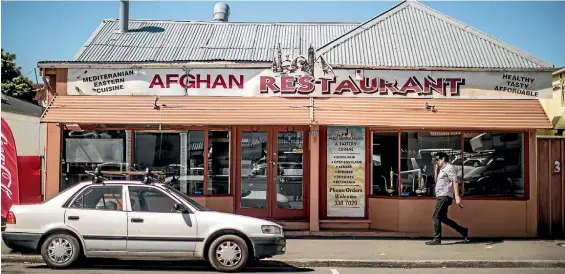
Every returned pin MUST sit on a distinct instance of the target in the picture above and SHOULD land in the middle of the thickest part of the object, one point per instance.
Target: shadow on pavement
(477, 241)
(202, 266)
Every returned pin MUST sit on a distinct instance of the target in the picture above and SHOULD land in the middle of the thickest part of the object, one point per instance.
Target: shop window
(417, 151)
(384, 159)
(178, 157)
(157, 151)
(83, 151)
(493, 165)
(218, 162)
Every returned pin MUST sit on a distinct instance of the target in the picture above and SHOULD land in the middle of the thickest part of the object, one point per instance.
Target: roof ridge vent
(221, 12)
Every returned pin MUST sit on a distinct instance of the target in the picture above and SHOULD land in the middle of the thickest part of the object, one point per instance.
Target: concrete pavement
(42, 269)
(406, 253)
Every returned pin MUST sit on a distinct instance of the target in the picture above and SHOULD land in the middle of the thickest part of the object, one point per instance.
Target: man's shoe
(434, 242)
(465, 235)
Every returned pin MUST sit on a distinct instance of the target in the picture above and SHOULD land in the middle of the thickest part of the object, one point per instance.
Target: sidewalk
(406, 253)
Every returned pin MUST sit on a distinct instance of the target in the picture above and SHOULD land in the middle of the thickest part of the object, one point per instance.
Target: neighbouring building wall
(555, 107)
(29, 135)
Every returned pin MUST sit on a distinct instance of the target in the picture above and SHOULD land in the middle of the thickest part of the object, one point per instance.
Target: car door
(153, 226)
(98, 214)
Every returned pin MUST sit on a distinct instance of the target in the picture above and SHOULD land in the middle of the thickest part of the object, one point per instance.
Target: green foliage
(13, 82)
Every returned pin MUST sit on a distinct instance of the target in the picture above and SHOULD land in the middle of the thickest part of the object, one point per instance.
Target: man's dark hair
(442, 155)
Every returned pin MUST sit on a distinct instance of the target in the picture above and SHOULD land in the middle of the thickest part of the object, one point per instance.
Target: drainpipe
(124, 15)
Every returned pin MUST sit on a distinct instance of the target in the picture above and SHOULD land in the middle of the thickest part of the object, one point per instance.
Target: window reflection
(493, 164)
(83, 151)
(156, 150)
(177, 156)
(253, 169)
(219, 162)
(417, 151)
(290, 169)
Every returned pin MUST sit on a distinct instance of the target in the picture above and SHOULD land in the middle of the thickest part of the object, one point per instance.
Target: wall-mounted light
(430, 107)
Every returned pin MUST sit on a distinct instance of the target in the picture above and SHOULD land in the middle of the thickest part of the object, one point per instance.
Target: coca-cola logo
(6, 175)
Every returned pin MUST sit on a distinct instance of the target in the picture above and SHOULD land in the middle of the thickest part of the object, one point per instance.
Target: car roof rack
(148, 177)
(98, 177)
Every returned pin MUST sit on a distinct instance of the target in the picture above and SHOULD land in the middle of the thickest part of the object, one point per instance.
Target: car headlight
(271, 229)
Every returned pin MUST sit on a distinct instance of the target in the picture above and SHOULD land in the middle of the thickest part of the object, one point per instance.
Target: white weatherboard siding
(28, 133)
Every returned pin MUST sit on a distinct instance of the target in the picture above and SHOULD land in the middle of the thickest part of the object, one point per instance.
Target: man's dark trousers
(440, 216)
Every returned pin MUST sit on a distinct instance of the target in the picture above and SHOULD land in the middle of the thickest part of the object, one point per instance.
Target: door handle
(73, 218)
(136, 220)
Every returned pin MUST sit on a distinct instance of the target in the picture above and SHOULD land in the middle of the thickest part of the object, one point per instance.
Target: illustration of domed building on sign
(301, 65)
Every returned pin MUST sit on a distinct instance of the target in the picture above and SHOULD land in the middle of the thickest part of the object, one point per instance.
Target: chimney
(124, 15)
(221, 12)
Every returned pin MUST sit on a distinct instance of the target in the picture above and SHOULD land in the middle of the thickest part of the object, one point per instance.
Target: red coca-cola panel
(29, 173)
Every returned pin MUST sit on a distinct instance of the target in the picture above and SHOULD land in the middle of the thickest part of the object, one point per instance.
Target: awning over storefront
(378, 112)
(177, 110)
(439, 113)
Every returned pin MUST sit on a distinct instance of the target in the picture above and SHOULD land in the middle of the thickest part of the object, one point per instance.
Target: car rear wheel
(228, 253)
(60, 250)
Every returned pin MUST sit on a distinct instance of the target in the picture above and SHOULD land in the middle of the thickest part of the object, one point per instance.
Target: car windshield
(193, 203)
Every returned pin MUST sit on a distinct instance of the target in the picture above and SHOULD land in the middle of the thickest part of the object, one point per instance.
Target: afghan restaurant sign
(313, 83)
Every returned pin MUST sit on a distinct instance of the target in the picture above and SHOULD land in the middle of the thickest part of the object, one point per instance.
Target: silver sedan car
(132, 219)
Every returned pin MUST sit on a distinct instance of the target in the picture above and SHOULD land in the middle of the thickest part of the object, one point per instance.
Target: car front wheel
(60, 250)
(228, 253)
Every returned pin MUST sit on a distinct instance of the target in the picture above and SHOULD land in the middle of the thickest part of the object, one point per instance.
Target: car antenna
(98, 177)
(148, 177)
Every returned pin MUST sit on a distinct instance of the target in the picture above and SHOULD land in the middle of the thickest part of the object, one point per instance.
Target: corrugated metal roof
(451, 113)
(178, 110)
(408, 35)
(14, 105)
(205, 41)
(414, 35)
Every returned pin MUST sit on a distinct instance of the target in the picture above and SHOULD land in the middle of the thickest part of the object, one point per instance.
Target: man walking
(446, 190)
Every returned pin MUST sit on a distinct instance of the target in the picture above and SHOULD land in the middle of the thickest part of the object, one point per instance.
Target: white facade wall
(29, 133)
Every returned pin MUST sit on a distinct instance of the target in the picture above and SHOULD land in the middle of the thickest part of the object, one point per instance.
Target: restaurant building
(324, 127)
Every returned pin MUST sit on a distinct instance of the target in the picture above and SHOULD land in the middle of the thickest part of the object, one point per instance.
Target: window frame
(206, 130)
(368, 165)
(78, 194)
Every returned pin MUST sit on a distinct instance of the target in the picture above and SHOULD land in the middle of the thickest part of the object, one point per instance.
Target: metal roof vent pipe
(221, 12)
(124, 15)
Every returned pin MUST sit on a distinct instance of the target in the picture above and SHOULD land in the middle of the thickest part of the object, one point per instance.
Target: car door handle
(136, 220)
(73, 218)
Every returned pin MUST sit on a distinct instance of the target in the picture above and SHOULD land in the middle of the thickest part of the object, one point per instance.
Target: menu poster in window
(346, 172)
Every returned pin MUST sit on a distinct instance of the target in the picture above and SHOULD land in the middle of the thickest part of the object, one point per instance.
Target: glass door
(289, 176)
(271, 177)
(254, 172)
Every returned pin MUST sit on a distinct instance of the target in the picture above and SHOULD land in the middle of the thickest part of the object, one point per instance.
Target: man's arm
(455, 189)
(453, 177)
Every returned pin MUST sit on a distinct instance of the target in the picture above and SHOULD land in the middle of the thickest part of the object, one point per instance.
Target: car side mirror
(180, 208)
